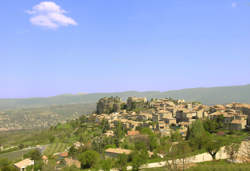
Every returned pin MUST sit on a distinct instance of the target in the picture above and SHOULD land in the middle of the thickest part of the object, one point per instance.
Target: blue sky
(120, 45)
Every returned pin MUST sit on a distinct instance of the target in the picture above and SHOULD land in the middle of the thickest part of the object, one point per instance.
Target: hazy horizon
(49, 48)
(82, 93)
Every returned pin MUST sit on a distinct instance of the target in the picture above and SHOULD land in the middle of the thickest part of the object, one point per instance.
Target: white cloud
(49, 14)
(234, 4)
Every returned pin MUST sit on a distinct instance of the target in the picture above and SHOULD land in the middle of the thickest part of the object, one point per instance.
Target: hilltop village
(166, 115)
(134, 134)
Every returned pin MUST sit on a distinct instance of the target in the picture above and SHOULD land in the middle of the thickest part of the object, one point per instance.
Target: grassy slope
(220, 165)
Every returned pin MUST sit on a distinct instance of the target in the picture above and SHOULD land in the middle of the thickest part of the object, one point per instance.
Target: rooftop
(118, 151)
(24, 163)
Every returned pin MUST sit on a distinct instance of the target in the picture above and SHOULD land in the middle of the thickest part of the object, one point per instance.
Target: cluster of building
(164, 114)
(161, 115)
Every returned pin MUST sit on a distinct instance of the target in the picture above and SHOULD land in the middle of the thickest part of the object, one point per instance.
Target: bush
(34, 155)
(89, 159)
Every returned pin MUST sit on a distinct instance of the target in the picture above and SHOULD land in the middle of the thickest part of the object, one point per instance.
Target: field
(55, 148)
(15, 155)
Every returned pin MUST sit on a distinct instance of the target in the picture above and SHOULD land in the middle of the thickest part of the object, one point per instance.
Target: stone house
(237, 124)
(170, 121)
(184, 115)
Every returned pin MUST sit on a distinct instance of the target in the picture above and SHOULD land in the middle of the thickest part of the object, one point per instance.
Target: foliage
(122, 162)
(146, 131)
(89, 159)
(106, 165)
(213, 145)
(6, 165)
(197, 135)
(175, 136)
(138, 158)
(210, 125)
(34, 155)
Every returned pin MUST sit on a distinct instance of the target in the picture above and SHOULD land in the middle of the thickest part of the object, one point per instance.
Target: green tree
(197, 135)
(175, 136)
(34, 155)
(153, 143)
(119, 130)
(89, 159)
(122, 162)
(138, 159)
(210, 125)
(21, 146)
(51, 138)
(106, 165)
(146, 131)
(5, 165)
(72, 151)
(213, 145)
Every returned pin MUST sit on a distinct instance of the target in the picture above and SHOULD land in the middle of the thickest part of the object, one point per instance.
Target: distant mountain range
(209, 96)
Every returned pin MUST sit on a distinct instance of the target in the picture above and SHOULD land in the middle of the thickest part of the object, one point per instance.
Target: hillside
(209, 96)
(42, 117)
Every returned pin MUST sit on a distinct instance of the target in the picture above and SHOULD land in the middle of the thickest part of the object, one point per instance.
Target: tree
(34, 155)
(51, 139)
(50, 166)
(220, 121)
(72, 151)
(20, 146)
(197, 135)
(146, 131)
(182, 150)
(89, 159)
(140, 145)
(232, 151)
(119, 131)
(5, 165)
(213, 145)
(38, 166)
(153, 143)
(9, 168)
(106, 165)
(175, 136)
(171, 156)
(104, 125)
(138, 158)
(122, 162)
(210, 125)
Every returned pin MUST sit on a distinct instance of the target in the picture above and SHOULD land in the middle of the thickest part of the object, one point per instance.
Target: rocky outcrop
(136, 102)
(108, 105)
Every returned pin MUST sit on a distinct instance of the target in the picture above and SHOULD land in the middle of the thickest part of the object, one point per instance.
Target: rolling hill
(209, 96)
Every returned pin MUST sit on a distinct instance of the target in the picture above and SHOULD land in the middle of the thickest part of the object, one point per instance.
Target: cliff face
(135, 102)
(108, 105)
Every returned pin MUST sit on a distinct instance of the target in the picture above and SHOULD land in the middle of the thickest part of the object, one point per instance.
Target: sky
(55, 47)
